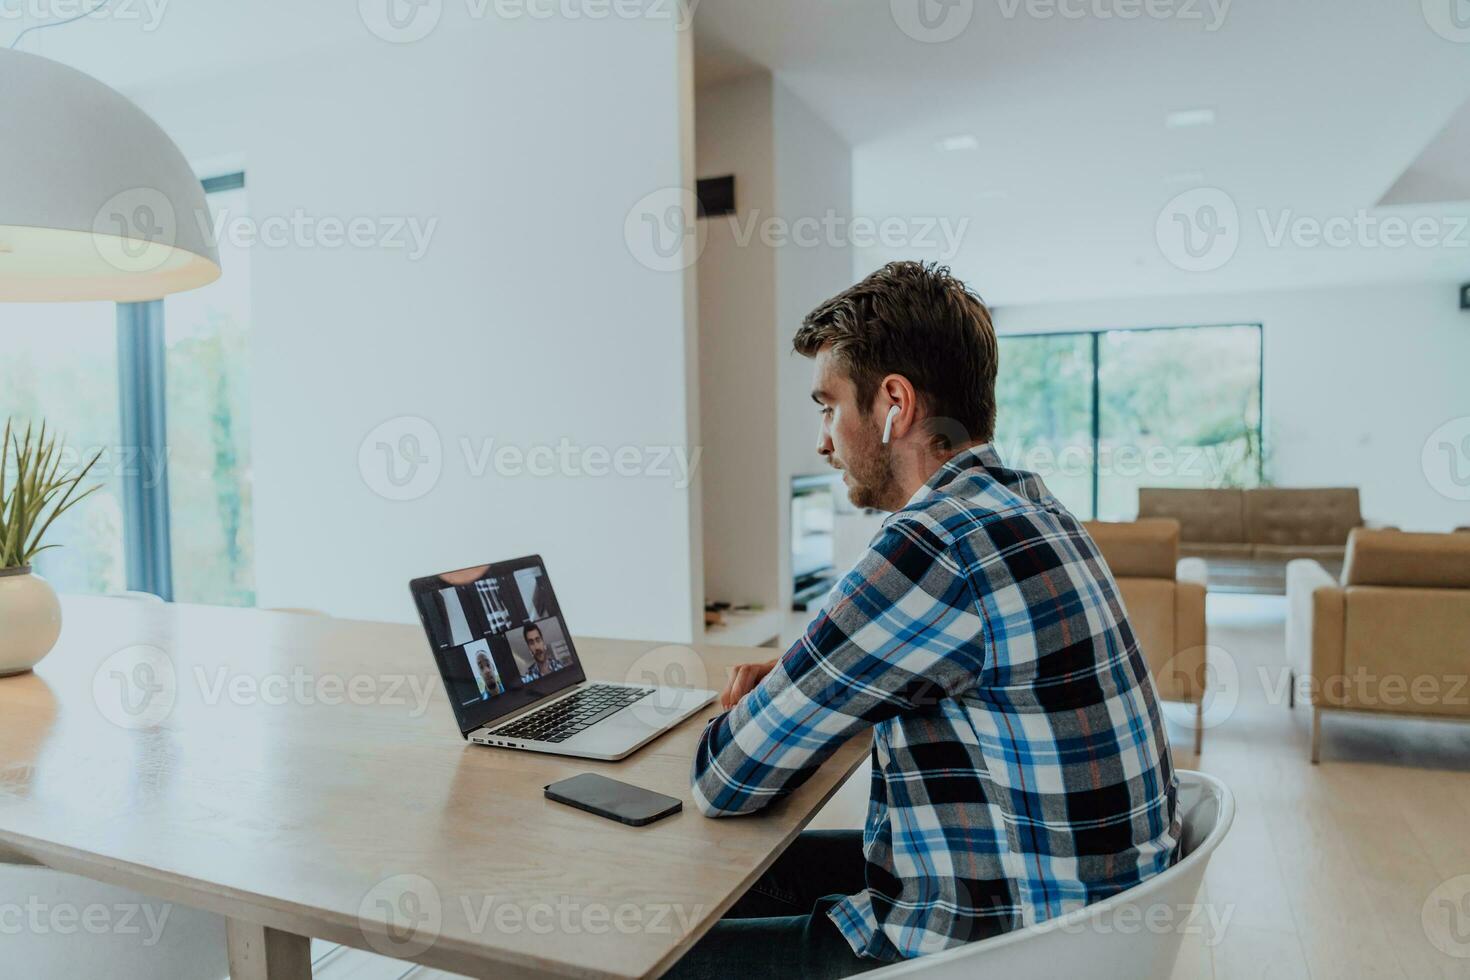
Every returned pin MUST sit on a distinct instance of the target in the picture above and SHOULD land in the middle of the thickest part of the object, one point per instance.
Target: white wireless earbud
(888, 424)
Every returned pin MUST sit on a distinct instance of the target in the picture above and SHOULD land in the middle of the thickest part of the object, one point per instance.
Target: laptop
(512, 672)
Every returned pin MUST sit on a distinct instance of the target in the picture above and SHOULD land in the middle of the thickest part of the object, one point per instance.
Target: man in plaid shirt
(1020, 768)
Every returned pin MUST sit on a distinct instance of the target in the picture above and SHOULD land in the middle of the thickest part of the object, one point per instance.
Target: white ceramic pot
(30, 619)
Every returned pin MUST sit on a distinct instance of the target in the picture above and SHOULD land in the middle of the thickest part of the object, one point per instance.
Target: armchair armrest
(1314, 624)
(1194, 570)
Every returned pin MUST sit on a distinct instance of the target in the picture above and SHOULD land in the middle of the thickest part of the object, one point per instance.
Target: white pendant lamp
(96, 202)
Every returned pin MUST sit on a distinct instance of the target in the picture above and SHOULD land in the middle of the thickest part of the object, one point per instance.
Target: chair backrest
(1145, 548)
(1407, 559)
(1134, 935)
(1299, 516)
(1204, 516)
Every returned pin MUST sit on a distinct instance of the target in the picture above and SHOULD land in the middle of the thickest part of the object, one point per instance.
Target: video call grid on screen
(498, 636)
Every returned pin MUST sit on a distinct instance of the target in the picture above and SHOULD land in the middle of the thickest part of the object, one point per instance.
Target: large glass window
(206, 335)
(1044, 412)
(60, 367)
(1178, 408)
(77, 365)
(1099, 414)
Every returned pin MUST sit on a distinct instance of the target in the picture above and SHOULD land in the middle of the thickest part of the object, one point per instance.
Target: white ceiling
(1322, 110)
(1320, 107)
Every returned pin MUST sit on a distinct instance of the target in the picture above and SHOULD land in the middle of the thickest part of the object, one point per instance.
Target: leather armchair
(1392, 636)
(1165, 600)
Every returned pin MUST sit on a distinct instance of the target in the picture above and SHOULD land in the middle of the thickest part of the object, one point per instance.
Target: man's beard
(870, 480)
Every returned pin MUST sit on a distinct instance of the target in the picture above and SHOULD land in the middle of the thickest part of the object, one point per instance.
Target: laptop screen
(498, 636)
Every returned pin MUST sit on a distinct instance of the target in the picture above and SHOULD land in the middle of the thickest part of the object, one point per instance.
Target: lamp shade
(96, 202)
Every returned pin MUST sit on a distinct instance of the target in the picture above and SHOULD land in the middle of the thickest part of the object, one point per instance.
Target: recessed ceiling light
(1187, 118)
(961, 141)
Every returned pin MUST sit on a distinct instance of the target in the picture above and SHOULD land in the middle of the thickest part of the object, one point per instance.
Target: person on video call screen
(543, 662)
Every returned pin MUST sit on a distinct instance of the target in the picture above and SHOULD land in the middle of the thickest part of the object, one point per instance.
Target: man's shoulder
(984, 522)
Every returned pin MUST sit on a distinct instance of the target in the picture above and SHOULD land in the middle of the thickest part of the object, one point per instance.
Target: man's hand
(743, 680)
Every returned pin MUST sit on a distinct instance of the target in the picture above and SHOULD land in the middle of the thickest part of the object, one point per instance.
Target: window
(160, 388)
(206, 340)
(1099, 414)
(60, 366)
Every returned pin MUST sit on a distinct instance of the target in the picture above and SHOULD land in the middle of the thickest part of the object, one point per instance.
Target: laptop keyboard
(560, 721)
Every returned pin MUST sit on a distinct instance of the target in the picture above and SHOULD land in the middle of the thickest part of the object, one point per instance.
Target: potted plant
(34, 490)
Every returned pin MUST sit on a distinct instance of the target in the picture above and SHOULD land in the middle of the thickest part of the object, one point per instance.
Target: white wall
(813, 180)
(528, 320)
(737, 286)
(1356, 380)
(760, 272)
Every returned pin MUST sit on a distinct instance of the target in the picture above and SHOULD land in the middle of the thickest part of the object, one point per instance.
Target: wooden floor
(1328, 869)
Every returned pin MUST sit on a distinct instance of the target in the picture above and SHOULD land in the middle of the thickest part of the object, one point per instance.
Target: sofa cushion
(1211, 516)
(1138, 549)
(1298, 516)
(1403, 558)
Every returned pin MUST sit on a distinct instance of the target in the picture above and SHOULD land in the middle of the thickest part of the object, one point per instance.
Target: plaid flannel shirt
(1020, 768)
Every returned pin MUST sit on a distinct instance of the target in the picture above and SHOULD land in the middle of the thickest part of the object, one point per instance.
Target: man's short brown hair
(917, 320)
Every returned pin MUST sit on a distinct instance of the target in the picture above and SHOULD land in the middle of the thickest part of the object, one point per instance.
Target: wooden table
(303, 776)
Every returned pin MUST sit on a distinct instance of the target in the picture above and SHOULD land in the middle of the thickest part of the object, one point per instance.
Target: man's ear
(895, 391)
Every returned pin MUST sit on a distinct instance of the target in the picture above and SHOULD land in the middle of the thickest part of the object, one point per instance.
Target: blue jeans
(779, 928)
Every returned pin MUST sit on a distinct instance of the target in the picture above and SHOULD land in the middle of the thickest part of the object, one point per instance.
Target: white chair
(1098, 942)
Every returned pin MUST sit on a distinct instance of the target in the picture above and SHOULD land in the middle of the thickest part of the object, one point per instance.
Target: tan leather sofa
(1391, 636)
(1273, 523)
(1165, 600)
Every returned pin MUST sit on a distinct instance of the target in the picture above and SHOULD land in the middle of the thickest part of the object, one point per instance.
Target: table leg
(261, 953)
